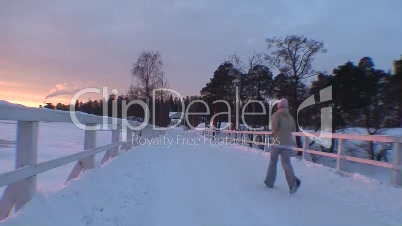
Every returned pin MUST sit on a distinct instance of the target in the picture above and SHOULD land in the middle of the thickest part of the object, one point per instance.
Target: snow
(200, 126)
(176, 114)
(4, 103)
(206, 184)
(172, 113)
(224, 125)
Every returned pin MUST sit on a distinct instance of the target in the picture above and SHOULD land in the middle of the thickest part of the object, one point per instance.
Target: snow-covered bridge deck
(207, 184)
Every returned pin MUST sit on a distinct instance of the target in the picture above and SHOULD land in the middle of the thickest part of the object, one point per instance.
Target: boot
(295, 186)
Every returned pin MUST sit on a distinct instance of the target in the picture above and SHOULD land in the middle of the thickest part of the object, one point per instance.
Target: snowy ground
(206, 184)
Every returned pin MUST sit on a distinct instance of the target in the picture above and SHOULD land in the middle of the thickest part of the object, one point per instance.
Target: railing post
(304, 147)
(135, 141)
(87, 163)
(339, 159)
(22, 191)
(90, 142)
(129, 139)
(251, 140)
(262, 142)
(115, 138)
(397, 173)
(114, 151)
(27, 153)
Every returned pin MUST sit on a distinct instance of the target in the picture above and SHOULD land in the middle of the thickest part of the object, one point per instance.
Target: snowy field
(206, 184)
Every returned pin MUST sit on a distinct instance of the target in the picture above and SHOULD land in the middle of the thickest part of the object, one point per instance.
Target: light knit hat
(283, 103)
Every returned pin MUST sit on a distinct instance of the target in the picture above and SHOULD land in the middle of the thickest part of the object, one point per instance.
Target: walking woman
(283, 125)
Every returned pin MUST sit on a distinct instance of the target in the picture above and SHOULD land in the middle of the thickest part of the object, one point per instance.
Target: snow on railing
(396, 166)
(21, 182)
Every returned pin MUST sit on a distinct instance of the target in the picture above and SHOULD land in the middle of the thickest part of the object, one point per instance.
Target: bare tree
(163, 83)
(246, 68)
(243, 67)
(148, 73)
(293, 56)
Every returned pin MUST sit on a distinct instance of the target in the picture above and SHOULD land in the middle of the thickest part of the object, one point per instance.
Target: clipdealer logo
(325, 135)
(323, 138)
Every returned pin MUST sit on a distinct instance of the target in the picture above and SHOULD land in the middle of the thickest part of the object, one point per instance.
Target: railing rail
(21, 182)
(396, 165)
(29, 171)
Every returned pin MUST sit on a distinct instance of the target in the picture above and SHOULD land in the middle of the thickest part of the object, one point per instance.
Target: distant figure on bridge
(283, 125)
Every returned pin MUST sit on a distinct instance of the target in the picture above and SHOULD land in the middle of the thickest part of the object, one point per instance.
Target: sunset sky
(59, 47)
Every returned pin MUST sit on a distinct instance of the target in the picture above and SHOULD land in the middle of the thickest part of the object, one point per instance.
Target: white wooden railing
(21, 182)
(396, 165)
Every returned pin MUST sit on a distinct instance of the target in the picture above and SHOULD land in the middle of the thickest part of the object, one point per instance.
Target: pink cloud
(66, 89)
